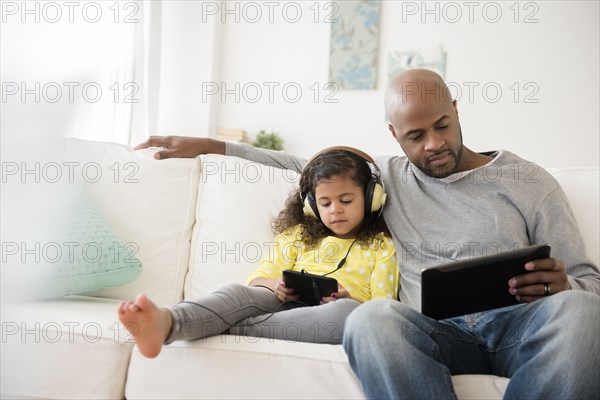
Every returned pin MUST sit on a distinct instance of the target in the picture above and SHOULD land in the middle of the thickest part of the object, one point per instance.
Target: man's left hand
(546, 277)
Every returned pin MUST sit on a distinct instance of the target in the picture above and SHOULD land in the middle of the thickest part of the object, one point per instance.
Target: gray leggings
(255, 311)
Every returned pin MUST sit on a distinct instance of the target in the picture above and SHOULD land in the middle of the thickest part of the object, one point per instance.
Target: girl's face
(341, 204)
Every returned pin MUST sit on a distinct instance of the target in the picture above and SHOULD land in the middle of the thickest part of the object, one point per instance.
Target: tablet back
(311, 288)
(479, 284)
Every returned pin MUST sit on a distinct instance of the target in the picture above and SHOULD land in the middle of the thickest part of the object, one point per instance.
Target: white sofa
(198, 224)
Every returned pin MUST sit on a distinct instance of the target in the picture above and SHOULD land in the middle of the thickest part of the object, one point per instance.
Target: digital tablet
(478, 284)
(311, 288)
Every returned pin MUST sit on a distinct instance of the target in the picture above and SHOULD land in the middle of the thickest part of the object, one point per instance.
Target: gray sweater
(505, 205)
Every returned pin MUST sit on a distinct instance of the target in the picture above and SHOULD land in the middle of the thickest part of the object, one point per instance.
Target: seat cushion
(479, 387)
(70, 348)
(228, 366)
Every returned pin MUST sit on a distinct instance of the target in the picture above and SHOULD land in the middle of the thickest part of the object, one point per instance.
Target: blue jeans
(549, 349)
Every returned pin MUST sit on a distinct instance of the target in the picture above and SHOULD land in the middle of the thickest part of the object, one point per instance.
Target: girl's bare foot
(148, 324)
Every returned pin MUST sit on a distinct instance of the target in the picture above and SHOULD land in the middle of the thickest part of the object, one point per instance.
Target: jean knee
(368, 315)
(576, 305)
(578, 300)
(361, 315)
(572, 317)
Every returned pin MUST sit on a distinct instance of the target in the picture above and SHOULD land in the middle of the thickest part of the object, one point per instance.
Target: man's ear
(454, 104)
(391, 128)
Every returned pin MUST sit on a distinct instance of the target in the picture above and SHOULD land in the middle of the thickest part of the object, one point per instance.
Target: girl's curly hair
(334, 163)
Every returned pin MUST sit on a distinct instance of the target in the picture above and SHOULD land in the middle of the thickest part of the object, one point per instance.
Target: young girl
(331, 226)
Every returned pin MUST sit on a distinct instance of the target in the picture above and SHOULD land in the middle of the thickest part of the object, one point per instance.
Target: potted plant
(270, 140)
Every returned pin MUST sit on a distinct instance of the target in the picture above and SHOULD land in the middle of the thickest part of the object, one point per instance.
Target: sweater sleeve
(281, 255)
(385, 275)
(272, 158)
(555, 225)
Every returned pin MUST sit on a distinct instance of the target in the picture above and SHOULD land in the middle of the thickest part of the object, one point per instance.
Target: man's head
(423, 119)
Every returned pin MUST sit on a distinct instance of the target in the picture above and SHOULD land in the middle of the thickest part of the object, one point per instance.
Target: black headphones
(374, 192)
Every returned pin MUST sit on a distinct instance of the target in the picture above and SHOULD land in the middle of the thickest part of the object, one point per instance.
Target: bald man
(445, 203)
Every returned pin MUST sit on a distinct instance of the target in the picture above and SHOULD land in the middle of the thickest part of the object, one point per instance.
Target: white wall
(557, 56)
(187, 54)
(201, 45)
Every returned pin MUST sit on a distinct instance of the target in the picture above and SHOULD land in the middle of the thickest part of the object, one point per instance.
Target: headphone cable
(343, 260)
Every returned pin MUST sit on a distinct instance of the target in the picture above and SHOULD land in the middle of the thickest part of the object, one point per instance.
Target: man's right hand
(182, 147)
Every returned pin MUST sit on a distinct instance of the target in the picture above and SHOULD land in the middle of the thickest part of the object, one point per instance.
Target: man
(446, 202)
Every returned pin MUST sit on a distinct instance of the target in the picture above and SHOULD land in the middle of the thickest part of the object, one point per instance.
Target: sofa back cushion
(237, 201)
(582, 186)
(149, 204)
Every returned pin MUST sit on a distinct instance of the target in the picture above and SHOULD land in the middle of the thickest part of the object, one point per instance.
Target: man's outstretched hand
(182, 147)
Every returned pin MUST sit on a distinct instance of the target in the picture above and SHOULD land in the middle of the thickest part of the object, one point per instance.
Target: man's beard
(441, 172)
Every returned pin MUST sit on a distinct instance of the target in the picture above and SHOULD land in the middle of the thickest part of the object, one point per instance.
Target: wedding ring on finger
(546, 289)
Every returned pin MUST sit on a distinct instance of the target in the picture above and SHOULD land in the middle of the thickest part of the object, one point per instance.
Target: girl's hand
(283, 293)
(340, 294)
(277, 285)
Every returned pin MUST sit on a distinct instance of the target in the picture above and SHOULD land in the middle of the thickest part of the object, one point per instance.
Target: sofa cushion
(582, 187)
(70, 348)
(236, 202)
(228, 366)
(242, 367)
(150, 204)
(479, 387)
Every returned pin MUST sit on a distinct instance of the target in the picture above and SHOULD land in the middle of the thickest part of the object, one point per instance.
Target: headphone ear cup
(310, 206)
(369, 190)
(379, 197)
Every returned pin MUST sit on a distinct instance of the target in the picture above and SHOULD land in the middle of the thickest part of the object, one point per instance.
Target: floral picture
(354, 45)
(433, 58)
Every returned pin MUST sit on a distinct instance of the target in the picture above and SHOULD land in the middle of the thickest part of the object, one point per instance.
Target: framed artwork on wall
(354, 45)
